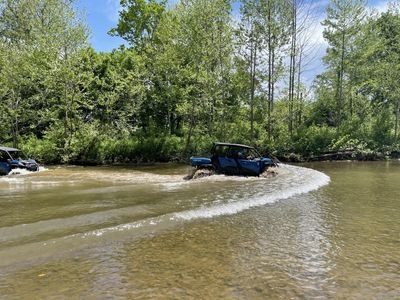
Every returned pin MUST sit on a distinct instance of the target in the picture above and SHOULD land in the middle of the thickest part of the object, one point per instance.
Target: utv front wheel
(200, 172)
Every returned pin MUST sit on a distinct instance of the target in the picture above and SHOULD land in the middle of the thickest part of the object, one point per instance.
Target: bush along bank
(106, 150)
(93, 148)
(351, 151)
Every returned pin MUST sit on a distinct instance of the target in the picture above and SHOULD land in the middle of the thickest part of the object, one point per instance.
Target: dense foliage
(195, 73)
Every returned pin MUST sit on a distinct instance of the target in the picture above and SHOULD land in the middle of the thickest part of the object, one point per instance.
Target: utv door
(249, 167)
(249, 162)
(228, 165)
(223, 161)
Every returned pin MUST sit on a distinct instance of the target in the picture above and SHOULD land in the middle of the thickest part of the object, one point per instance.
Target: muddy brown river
(314, 231)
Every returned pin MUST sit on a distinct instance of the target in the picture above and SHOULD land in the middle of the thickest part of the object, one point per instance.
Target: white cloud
(316, 31)
(319, 5)
(316, 28)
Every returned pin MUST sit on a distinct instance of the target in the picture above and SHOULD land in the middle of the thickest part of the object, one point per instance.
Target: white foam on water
(311, 180)
(21, 172)
(18, 178)
(178, 182)
(121, 227)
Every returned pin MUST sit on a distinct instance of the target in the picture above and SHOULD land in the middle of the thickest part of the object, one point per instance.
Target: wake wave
(314, 181)
(295, 181)
(246, 193)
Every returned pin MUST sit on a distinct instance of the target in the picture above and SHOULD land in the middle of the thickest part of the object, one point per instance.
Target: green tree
(40, 40)
(276, 36)
(250, 40)
(138, 20)
(379, 57)
(195, 46)
(342, 24)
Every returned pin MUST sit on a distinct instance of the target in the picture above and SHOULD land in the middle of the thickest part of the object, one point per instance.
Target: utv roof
(8, 149)
(233, 145)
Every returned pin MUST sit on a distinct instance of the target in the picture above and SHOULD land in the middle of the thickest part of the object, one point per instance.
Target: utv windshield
(17, 155)
(247, 153)
(236, 152)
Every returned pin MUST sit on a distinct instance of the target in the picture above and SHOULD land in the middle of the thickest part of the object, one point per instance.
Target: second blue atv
(11, 158)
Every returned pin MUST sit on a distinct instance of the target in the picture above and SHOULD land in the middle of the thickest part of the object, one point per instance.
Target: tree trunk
(15, 122)
(66, 117)
(338, 106)
(270, 72)
(292, 67)
(396, 125)
(273, 81)
(298, 93)
(253, 59)
(212, 93)
(340, 77)
(351, 105)
(192, 124)
(15, 132)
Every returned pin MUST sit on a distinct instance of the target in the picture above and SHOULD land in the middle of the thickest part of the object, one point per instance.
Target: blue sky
(102, 15)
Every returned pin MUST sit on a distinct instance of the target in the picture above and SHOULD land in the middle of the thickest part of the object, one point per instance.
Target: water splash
(20, 171)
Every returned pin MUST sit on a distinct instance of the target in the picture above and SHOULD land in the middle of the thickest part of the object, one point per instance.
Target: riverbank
(286, 158)
(339, 156)
(152, 150)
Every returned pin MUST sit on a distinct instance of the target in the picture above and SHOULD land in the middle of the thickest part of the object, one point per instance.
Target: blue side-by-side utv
(11, 158)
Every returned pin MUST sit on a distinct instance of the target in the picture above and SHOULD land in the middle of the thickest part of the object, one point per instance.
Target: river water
(316, 231)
